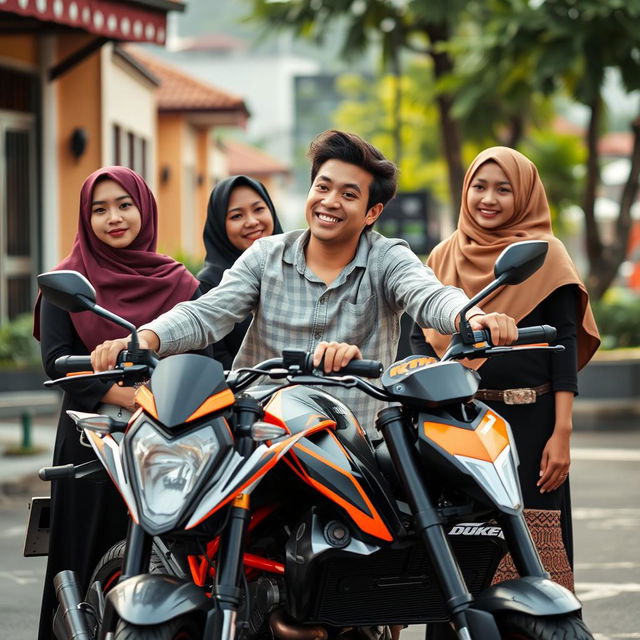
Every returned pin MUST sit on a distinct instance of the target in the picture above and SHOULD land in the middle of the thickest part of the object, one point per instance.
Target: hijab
(466, 259)
(220, 253)
(135, 282)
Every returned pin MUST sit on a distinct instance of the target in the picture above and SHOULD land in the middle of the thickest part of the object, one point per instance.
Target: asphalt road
(606, 497)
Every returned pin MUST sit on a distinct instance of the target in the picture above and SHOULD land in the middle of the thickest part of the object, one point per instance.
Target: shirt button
(318, 335)
(323, 300)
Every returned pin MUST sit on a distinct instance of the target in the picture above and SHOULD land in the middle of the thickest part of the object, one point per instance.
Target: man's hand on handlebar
(336, 355)
(502, 327)
(105, 355)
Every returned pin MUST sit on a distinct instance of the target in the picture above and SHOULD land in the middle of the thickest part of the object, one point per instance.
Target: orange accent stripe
(213, 403)
(485, 442)
(264, 469)
(273, 411)
(241, 501)
(370, 524)
(257, 562)
(196, 572)
(110, 580)
(145, 399)
(533, 344)
(78, 373)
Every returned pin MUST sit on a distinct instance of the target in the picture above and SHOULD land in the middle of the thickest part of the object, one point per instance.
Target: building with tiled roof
(188, 160)
(248, 160)
(180, 92)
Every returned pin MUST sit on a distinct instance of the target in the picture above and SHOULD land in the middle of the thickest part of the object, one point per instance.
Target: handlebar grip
(532, 335)
(364, 368)
(70, 364)
(55, 473)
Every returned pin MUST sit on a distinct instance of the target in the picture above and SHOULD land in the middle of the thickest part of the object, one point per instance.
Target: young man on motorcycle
(337, 288)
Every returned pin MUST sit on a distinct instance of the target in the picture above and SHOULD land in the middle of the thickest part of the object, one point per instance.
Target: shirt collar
(294, 255)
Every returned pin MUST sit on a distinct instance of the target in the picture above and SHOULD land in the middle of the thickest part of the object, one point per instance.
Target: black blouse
(533, 368)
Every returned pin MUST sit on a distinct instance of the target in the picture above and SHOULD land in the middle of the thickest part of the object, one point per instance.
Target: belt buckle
(519, 396)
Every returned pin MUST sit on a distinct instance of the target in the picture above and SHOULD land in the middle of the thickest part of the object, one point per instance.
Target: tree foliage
(491, 68)
(395, 26)
(569, 45)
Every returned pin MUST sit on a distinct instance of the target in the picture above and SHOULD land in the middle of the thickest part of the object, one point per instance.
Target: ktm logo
(416, 363)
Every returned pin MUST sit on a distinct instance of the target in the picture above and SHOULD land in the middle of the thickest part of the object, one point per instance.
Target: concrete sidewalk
(18, 470)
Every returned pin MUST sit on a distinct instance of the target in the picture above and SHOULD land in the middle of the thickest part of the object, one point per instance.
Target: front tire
(182, 628)
(520, 626)
(109, 569)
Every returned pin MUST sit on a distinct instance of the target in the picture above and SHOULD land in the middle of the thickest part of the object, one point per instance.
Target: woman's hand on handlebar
(502, 327)
(336, 355)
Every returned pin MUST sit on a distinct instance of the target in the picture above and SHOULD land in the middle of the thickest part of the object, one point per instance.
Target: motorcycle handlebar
(526, 335)
(304, 361)
(363, 368)
(71, 364)
(55, 473)
(532, 335)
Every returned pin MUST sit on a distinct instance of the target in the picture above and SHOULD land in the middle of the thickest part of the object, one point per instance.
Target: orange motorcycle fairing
(485, 442)
(339, 484)
(335, 460)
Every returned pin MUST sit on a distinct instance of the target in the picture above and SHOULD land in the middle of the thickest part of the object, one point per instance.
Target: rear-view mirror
(68, 290)
(520, 260)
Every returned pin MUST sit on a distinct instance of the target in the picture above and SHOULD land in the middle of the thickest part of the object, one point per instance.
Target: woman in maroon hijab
(115, 248)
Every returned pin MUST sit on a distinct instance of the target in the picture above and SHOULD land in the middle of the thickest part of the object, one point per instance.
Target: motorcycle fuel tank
(338, 460)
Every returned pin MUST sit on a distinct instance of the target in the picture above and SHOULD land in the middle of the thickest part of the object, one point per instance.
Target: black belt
(526, 395)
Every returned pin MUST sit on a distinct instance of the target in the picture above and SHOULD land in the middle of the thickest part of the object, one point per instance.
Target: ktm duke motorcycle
(266, 512)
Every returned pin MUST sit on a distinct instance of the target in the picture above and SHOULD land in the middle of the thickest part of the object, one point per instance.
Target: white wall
(128, 100)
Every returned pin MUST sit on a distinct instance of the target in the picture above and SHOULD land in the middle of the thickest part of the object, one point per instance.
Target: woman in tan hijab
(504, 202)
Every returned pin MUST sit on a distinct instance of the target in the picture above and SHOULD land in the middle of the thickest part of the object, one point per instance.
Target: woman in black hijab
(239, 212)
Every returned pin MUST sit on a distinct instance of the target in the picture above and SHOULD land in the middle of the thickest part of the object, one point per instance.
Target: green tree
(423, 28)
(367, 110)
(569, 45)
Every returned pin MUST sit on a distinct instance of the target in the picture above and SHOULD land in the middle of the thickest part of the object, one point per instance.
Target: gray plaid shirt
(294, 309)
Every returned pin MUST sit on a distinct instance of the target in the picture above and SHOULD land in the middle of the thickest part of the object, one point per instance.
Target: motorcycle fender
(152, 599)
(530, 595)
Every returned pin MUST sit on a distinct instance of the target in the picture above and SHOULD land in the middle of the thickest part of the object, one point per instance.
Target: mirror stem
(133, 343)
(466, 333)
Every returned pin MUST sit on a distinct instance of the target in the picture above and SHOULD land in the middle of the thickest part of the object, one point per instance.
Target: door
(18, 189)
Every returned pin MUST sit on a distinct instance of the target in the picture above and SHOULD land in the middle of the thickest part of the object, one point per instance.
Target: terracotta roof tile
(245, 159)
(179, 91)
(220, 42)
(616, 143)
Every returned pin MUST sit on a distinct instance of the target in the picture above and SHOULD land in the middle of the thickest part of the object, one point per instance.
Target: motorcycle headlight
(168, 470)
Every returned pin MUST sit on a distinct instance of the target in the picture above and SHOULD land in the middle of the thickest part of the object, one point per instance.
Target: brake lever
(128, 374)
(497, 351)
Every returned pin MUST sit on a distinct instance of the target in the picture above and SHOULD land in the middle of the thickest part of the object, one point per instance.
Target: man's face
(336, 209)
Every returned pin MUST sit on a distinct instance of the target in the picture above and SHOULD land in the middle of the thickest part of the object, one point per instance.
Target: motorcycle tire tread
(564, 627)
(111, 561)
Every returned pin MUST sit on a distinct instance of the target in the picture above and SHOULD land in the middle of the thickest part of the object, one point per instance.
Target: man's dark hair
(348, 147)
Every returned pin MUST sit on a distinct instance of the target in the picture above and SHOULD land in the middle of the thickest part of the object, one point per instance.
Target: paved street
(605, 483)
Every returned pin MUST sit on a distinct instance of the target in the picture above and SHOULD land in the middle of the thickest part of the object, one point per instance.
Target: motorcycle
(266, 512)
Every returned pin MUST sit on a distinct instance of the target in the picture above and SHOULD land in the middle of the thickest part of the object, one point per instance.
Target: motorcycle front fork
(135, 562)
(228, 593)
(469, 622)
(221, 622)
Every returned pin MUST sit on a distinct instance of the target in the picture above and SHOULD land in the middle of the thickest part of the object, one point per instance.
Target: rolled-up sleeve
(197, 323)
(414, 288)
